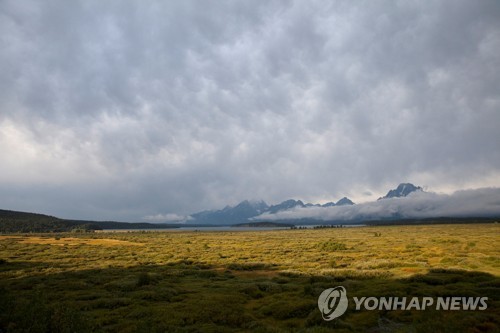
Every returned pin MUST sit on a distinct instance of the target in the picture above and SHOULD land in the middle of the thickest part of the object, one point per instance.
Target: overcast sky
(126, 109)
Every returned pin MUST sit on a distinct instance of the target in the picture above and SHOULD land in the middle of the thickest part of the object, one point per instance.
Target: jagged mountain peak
(403, 190)
(287, 204)
(257, 205)
(344, 201)
(251, 203)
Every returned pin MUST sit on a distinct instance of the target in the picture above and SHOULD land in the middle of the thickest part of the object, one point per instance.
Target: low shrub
(332, 246)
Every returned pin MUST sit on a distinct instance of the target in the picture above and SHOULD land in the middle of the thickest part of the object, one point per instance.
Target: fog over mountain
(468, 203)
(247, 210)
(406, 201)
(152, 110)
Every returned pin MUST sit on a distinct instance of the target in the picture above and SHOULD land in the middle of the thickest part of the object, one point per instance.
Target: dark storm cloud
(126, 109)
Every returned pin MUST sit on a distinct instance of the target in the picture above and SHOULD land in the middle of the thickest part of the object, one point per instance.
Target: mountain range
(249, 210)
(466, 206)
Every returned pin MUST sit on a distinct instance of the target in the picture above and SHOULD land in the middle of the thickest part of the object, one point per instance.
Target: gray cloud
(170, 218)
(121, 109)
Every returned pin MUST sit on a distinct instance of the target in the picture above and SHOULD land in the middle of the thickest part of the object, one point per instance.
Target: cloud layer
(121, 109)
(470, 203)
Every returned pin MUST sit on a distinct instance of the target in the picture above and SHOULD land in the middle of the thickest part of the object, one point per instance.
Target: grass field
(263, 281)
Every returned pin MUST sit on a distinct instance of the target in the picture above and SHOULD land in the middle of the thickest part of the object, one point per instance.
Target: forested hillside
(12, 221)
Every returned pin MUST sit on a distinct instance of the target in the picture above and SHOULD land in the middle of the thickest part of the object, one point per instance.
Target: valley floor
(263, 281)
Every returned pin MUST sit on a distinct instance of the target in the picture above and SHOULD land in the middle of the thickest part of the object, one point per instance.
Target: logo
(333, 302)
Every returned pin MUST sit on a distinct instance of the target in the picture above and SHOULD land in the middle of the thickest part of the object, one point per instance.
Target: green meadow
(246, 281)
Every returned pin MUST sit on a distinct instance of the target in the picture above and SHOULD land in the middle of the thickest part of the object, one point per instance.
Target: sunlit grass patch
(332, 246)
